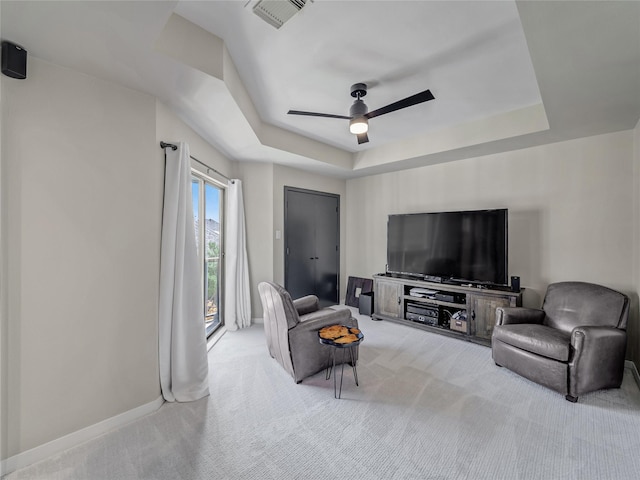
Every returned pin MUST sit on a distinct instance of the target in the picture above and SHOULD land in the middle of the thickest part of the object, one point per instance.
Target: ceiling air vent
(277, 12)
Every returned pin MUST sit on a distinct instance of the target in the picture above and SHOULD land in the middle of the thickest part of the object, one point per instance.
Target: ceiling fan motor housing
(358, 124)
(358, 109)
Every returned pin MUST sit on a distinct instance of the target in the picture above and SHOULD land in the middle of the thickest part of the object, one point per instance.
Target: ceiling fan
(359, 115)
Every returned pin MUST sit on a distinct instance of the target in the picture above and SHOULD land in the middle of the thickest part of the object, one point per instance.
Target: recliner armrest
(514, 315)
(598, 358)
(307, 304)
(589, 337)
(322, 318)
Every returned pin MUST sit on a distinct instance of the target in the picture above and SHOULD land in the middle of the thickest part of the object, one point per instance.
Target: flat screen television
(459, 247)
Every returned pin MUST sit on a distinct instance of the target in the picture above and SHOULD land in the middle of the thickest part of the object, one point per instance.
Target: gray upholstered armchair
(291, 328)
(575, 344)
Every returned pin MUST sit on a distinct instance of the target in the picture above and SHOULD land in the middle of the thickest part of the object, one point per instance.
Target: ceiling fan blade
(315, 114)
(362, 138)
(404, 103)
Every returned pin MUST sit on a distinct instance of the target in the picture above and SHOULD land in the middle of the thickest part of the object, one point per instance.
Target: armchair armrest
(598, 358)
(322, 318)
(594, 339)
(513, 315)
(307, 304)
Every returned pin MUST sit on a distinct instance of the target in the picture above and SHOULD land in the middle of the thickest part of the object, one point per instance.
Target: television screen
(468, 246)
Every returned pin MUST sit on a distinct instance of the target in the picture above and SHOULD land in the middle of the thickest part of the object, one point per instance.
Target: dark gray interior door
(312, 244)
(300, 251)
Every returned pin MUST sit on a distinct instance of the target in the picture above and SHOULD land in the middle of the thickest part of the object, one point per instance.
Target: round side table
(346, 342)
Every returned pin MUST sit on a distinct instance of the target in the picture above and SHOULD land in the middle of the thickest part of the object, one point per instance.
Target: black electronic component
(423, 313)
(14, 60)
(445, 297)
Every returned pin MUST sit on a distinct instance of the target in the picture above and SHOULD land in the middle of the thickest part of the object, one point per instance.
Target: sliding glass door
(208, 207)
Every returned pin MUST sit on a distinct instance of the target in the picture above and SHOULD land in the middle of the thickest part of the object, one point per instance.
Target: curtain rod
(164, 145)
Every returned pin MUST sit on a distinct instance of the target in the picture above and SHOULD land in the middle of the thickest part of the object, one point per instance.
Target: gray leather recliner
(575, 344)
(291, 328)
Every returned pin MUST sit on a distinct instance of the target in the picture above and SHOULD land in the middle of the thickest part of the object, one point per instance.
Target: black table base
(338, 393)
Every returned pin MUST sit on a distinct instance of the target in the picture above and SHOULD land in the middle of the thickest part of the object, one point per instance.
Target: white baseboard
(61, 444)
(257, 320)
(632, 366)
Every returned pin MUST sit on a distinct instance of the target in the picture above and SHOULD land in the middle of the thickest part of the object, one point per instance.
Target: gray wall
(257, 183)
(81, 208)
(571, 210)
(264, 209)
(633, 348)
(170, 128)
(81, 198)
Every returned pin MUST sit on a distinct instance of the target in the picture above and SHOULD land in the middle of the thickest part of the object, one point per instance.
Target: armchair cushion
(534, 338)
(277, 303)
(568, 305)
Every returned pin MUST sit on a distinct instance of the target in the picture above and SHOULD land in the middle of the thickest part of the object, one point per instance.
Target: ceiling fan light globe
(359, 125)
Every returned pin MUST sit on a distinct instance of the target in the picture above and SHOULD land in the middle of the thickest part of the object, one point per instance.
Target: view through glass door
(208, 199)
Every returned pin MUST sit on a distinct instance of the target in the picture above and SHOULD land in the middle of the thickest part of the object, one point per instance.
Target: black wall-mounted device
(14, 60)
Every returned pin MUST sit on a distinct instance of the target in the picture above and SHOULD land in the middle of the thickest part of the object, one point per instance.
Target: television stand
(460, 311)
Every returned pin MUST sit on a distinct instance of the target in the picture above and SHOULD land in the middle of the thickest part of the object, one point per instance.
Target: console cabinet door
(483, 313)
(387, 298)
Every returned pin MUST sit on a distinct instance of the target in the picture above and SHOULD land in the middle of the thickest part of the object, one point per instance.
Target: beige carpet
(428, 407)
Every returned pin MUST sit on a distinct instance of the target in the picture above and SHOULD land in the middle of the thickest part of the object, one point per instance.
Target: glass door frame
(203, 179)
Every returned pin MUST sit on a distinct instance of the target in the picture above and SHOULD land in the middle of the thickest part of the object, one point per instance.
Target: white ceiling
(472, 56)
(505, 74)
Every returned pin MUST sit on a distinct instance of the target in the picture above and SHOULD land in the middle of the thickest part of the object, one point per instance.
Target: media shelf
(462, 311)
